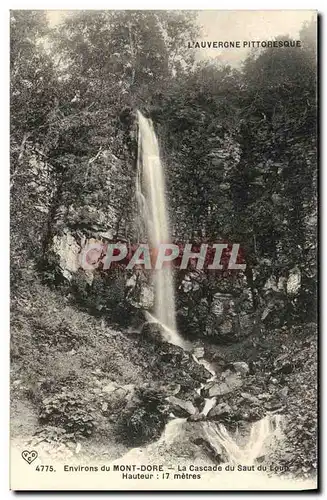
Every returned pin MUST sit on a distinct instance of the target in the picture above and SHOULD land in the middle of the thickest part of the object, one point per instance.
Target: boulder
(221, 410)
(241, 367)
(283, 364)
(199, 352)
(153, 332)
(219, 388)
(181, 408)
(251, 399)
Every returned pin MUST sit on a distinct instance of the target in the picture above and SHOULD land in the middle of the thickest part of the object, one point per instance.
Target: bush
(145, 420)
(67, 410)
(62, 335)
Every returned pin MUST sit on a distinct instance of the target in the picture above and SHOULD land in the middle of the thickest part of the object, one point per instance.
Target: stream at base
(170, 452)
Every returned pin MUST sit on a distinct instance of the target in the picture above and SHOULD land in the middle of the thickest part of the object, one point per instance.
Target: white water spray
(150, 192)
(263, 435)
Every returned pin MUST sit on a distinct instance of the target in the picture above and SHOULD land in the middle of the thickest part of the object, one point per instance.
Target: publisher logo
(29, 456)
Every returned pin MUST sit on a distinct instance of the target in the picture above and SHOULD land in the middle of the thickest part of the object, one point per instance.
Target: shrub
(62, 335)
(145, 419)
(67, 410)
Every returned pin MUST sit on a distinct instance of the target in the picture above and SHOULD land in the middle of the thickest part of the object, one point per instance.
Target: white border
(166, 5)
(4, 170)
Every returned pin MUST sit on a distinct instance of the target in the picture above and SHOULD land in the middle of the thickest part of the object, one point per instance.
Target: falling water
(209, 403)
(262, 436)
(150, 191)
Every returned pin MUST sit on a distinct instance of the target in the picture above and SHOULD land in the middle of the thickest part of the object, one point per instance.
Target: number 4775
(44, 468)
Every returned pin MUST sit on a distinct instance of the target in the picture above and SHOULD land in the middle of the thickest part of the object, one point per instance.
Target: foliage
(67, 410)
(61, 335)
(145, 420)
(299, 452)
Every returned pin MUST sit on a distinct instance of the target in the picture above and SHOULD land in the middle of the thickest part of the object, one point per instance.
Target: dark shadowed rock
(181, 408)
(286, 367)
(197, 417)
(153, 332)
(273, 404)
(221, 410)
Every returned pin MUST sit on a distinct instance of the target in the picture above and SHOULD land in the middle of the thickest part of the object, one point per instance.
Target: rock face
(105, 213)
(67, 250)
(113, 291)
(139, 293)
(224, 314)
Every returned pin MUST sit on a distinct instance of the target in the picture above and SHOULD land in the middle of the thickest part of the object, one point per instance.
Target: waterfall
(262, 436)
(265, 434)
(150, 193)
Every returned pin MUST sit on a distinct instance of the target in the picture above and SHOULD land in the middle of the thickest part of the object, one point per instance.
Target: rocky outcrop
(214, 307)
(67, 250)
